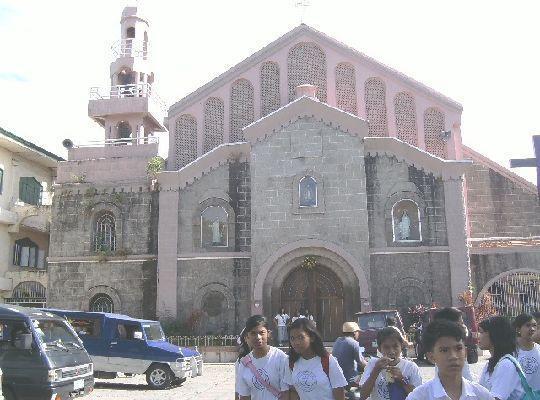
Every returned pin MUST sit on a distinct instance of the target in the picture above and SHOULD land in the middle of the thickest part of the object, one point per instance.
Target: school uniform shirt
(310, 380)
(504, 382)
(465, 372)
(530, 362)
(282, 319)
(434, 389)
(272, 369)
(380, 390)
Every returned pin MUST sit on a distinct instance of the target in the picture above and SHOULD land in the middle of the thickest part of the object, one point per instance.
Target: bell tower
(129, 110)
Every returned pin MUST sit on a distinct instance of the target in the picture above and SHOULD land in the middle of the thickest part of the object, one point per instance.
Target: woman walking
(261, 372)
(314, 374)
(500, 376)
(528, 350)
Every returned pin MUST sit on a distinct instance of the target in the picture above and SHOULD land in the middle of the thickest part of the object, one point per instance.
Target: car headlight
(54, 375)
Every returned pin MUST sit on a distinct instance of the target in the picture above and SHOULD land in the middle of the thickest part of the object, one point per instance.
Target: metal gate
(516, 293)
(28, 294)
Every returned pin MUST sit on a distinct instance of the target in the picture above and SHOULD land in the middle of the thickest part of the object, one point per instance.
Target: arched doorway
(321, 291)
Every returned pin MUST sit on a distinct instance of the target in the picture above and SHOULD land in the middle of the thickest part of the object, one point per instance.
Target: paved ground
(216, 383)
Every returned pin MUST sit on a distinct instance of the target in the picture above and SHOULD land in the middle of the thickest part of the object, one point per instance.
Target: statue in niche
(308, 194)
(216, 232)
(404, 226)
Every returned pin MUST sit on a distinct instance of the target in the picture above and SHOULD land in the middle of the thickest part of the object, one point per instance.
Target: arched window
(270, 96)
(29, 294)
(27, 254)
(241, 108)
(30, 190)
(101, 302)
(433, 128)
(306, 63)
(406, 224)
(125, 77)
(186, 140)
(130, 32)
(214, 227)
(105, 233)
(307, 192)
(213, 123)
(405, 111)
(375, 97)
(213, 303)
(124, 130)
(346, 88)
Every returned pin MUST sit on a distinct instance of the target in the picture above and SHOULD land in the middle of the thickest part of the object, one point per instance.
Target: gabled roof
(29, 150)
(285, 40)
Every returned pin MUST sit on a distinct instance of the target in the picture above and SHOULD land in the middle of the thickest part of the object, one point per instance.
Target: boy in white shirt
(444, 342)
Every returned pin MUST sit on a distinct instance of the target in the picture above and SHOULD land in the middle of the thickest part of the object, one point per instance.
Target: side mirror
(23, 341)
(137, 335)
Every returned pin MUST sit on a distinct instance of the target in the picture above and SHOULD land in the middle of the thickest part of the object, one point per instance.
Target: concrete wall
(498, 207)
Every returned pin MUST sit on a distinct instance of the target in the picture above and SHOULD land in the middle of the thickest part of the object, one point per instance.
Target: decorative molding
(217, 255)
(393, 147)
(98, 259)
(409, 250)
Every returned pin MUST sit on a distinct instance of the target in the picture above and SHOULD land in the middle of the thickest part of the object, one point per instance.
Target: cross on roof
(302, 5)
(530, 162)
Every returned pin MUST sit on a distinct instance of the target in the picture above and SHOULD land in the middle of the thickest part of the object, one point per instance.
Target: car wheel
(472, 356)
(159, 376)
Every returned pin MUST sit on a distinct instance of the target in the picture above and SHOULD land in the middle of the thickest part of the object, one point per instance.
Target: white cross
(303, 5)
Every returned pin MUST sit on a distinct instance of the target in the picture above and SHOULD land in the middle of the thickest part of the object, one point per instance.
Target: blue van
(118, 343)
(41, 356)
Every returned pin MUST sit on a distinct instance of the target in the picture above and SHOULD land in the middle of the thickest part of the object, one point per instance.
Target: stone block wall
(406, 279)
(75, 209)
(131, 285)
(498, 207)
(389, 180)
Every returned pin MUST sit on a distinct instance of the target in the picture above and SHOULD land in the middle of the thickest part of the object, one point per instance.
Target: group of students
(309, 372)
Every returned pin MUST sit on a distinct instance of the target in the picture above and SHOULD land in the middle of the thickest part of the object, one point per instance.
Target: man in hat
(347, 351)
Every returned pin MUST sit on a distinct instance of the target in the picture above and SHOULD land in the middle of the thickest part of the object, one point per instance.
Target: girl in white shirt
(260, 374)
(313, 373)
(528, 350)
(499, 375)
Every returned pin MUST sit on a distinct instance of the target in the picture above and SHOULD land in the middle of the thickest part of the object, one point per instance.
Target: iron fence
(516, 293)
(203, 341)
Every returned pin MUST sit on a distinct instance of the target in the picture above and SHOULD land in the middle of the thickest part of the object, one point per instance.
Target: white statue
(216, 234)
(404, 226)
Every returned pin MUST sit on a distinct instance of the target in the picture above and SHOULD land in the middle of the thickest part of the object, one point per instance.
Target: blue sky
(483, 54)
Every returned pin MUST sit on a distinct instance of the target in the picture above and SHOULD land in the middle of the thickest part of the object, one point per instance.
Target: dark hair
(243, 347)
(502, 336)
(521, 320)
(449, 314)
(536, 314)
(252, 322)
(440, 328)
(317, 345)
(390, 321)
(389, 332)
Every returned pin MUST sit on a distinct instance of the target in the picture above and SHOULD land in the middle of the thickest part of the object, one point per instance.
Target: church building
(307, 176)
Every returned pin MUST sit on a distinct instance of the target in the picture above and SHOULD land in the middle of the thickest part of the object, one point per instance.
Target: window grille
(515, 293)
(29, 293)
(346, 88)
(213, 123)
(241, 108)
(105, 233)
(270, 96)
(101, 303)
(306, 64)
(30, 190)
(186, 140)
(405, 111)
(433, 127)
(375, 97)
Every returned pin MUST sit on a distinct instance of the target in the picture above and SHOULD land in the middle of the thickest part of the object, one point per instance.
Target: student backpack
(530, 394)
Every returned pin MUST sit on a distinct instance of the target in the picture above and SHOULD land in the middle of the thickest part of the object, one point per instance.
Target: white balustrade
(130, 48)
(127, 91)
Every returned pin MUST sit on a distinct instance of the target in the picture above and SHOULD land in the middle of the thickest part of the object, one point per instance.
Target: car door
(127, 349)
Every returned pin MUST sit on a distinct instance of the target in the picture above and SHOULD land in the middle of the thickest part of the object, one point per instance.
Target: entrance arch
(319, 290)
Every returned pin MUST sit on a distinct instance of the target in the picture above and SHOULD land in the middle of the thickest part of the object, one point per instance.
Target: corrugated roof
(30, 145)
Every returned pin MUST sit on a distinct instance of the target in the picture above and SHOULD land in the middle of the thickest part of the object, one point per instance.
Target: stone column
(167, 253)
(460, 273)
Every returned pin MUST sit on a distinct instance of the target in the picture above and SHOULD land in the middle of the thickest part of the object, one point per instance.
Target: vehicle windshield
(153, 332)
(373, 320)
(54, 333)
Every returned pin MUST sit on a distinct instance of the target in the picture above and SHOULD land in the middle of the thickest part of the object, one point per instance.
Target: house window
(307, 192)
(214, 227)
(102, 303)
(27, 254)
(406, 224)
(30, 191)
(105, 233)
(1, 179)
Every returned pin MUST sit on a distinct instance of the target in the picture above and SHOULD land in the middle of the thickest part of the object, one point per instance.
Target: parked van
(118, 343)
(41, 356)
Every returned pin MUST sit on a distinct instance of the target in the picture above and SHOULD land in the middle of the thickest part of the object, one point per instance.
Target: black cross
(530, 162)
